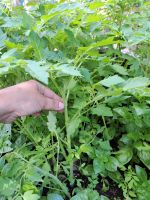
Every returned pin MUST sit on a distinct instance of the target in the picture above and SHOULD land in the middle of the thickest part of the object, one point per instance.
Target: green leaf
(96, 5)
(51, 121)
(30, 196)
(36, 70)
(73, 126)
(86, 74)
(9, 53)
(141, 109)
(5, 139)
(98, 166)
(85, 148)
(112, 80)
(119, 69)
(103, 198)
(112, 164)
(3, 37)
(93, 18)
(143, 191)
(105, 42)
(102, 110)
(124, 155)
(87, 194)
(145, 158)
(33, 174)
(27, 20)
(141, 173)
(68, 70)
(8, 186)
(54, 196)
(12, 22)
(136, 83)
(116, 99)
(39, 44)
(46, 18)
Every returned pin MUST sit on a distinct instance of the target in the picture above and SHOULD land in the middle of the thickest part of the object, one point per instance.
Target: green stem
(58, 151)
(68, 134)
(67, 119)
(56, 85)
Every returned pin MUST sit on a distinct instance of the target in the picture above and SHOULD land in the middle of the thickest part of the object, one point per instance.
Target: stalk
(68, 135)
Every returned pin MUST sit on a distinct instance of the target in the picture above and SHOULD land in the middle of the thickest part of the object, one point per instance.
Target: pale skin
(27, 98)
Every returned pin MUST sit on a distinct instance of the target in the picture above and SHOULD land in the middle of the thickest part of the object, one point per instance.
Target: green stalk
(68, 134)
(58, 151)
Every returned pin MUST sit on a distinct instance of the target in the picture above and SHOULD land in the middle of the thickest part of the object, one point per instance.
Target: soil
(113, 192)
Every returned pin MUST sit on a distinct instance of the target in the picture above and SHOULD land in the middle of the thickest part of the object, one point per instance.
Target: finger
(36, 114)
(51, 104)
(8, 118)
(48, 93)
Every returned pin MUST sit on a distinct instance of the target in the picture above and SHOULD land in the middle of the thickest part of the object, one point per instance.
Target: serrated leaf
(36, 70)
(38, 44)
(68, 70)
(102, 110)
(105, 42)
(5, 143)
(112, 80)
(86, 74)
(119, 69)
(51, 124)
(73, 126)
(136, 83)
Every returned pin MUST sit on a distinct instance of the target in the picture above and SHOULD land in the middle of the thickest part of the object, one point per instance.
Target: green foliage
(95, 54)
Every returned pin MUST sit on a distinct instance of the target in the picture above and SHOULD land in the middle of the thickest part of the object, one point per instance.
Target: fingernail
(61, 105)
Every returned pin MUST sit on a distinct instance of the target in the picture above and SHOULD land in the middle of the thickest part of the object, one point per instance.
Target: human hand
(27, 98)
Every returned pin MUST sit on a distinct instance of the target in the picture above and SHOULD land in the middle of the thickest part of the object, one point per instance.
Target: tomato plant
(95, 54)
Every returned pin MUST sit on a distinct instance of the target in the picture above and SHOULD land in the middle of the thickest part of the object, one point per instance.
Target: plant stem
(58, 151)
(68, 134)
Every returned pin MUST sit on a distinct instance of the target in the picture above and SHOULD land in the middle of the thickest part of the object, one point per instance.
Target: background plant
(96, 56)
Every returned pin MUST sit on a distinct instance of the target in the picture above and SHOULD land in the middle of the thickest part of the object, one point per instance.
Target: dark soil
(112, 193)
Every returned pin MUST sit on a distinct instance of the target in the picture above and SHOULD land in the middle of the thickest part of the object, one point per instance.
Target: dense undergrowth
(96, 55)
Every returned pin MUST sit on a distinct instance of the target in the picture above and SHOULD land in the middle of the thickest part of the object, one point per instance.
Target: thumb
(52, 104)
